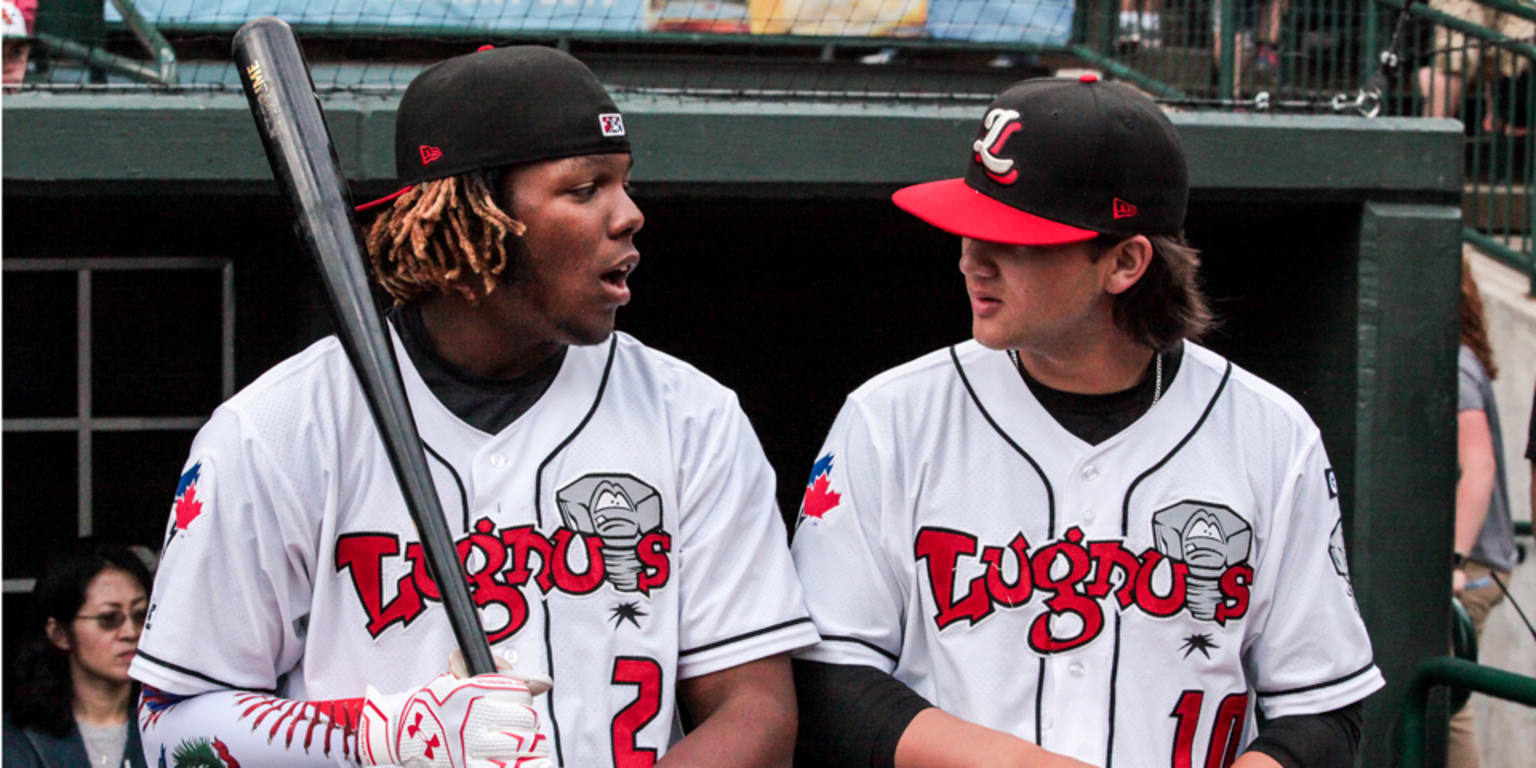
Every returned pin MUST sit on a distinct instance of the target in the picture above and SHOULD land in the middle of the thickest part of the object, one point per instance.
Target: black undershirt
(488, 405)
(1096, 418)
(854, 715)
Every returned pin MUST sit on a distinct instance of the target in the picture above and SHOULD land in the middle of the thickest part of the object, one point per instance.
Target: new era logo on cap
(612, 123)
(430, 153)
(1123, 210)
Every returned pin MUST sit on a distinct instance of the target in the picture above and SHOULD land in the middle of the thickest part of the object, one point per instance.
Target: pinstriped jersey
(1126, 603)
(619, 536)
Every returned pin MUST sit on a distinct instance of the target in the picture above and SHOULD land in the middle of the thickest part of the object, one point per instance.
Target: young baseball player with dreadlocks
(1079, 538)
(614, 509)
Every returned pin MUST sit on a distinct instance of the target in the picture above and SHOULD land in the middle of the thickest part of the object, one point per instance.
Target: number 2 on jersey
(645, 674)
(1226, 729)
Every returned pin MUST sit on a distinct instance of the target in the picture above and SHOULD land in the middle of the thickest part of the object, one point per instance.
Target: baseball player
(1079, 538)
(613, 507)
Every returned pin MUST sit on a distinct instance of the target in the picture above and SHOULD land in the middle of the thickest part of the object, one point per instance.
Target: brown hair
(1474, 326)
(1167, 305)
(443, 235)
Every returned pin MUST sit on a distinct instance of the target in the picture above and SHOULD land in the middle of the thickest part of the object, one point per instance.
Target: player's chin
(595, 329)
(989, 335)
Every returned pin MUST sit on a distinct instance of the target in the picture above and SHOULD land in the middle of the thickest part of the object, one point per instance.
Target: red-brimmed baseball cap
(1062, 160)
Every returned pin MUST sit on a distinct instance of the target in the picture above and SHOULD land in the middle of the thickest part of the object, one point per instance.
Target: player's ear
(57, 635)
(1128, 261)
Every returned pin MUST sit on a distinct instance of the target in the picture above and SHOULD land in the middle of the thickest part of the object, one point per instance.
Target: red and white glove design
(485, 721)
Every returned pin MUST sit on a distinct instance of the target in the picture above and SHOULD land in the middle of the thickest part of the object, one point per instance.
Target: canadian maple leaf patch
(819, 496)
(187, 507)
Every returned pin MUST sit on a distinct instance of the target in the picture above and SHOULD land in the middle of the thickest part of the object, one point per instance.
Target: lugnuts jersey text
(1122, 603)
(619, 536)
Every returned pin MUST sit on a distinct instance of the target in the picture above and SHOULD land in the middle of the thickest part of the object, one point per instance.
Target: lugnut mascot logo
(614, 520)
(1000, 124)
(1198, 564)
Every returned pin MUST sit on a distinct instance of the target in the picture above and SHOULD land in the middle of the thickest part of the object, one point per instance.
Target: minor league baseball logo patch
(619, 510)
(1209, 538)
(1333, 483)
(612, 123)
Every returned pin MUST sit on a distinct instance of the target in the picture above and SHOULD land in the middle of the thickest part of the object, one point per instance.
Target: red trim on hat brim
(384, 199)
(956, 208)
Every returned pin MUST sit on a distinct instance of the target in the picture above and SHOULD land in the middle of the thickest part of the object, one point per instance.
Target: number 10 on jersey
(1226, 729)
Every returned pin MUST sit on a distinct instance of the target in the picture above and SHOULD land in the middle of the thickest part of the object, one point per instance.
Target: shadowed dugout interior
(792, 303)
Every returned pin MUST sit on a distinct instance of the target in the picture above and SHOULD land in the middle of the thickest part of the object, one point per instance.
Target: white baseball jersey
(1125, 603)
(620, 535)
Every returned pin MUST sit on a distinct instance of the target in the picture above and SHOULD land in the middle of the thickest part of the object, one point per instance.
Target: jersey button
(1050, 722)
(1076, 668)
(1087, 515)
(498, 461)
(1090, 472)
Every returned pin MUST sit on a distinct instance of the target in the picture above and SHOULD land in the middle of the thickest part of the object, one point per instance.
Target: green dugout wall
(772, 260)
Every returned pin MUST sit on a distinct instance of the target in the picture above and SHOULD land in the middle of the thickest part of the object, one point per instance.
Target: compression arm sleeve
(1326, 740)
(850, 714)
(255, 729)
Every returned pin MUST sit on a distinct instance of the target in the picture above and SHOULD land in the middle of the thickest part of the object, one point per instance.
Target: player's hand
(475, 722)
(1458, 581)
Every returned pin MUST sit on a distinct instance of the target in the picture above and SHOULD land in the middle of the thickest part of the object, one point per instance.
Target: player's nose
(974, 261)
(627, 218)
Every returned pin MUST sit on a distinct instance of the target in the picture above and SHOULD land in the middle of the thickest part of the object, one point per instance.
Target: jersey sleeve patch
(186, 507)
(820, 497)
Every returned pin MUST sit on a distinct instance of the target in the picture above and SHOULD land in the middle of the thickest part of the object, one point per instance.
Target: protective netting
(1249, 54)
(1298, 53)
(1466, 59)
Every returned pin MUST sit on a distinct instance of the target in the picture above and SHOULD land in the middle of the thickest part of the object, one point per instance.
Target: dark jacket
(31, 748)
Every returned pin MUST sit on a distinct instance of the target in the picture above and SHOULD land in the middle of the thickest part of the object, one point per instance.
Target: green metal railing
(160, 70)
(1484, 77)
(1457, 672)
(1320, 55)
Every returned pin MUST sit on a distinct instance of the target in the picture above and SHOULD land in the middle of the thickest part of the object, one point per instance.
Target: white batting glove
(486, 721)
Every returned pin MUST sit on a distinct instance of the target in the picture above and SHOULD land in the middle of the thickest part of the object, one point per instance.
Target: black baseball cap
(501, 107)
(1062, 160)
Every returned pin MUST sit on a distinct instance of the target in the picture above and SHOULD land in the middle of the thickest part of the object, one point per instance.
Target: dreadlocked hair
(441, 235)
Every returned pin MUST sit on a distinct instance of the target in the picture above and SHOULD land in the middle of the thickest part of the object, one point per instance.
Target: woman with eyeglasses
(72, 704)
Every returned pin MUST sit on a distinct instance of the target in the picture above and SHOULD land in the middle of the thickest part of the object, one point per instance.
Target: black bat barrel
(298, 144)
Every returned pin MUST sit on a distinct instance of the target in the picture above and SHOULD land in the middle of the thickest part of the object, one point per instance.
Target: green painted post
(1409, 275)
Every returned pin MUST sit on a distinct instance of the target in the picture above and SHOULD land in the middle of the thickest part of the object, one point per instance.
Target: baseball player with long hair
(1079, 538)
(613, 507)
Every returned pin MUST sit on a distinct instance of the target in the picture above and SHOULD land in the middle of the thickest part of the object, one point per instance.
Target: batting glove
(486, 721)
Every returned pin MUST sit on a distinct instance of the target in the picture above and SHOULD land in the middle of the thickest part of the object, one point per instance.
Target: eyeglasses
(111, 620)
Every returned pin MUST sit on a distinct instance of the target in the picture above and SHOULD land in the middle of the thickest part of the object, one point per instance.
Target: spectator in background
(1484, 536)
(72, 701)
(1141, 24)
(15, 28)
(1455, 58)
(1260, 24)
(1530, 455)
